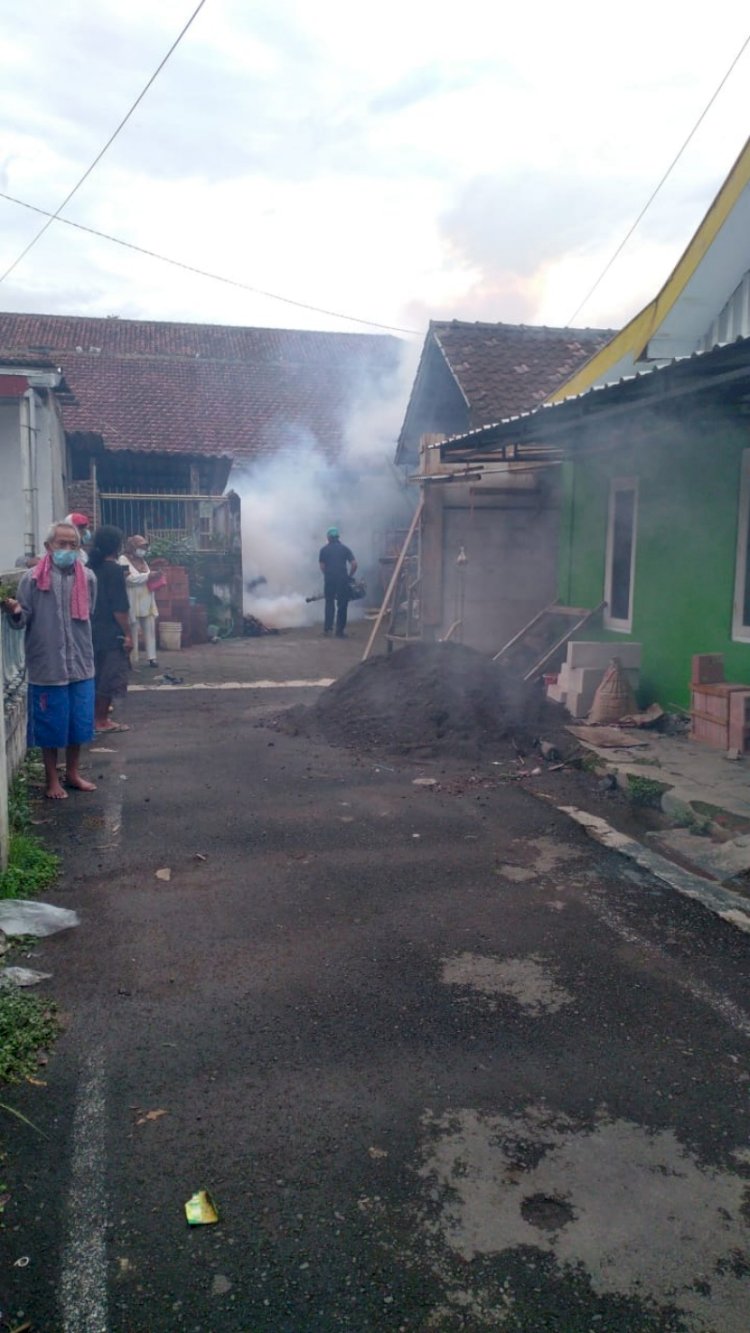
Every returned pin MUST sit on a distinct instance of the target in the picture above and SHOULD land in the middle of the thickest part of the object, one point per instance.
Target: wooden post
(431, 593)
(390, 590)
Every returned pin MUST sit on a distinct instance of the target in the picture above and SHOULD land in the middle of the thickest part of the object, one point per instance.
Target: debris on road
(20, 917)
(200, 1209)
(150, 1115)
(164, 873)
(22, 976)
(424, 782)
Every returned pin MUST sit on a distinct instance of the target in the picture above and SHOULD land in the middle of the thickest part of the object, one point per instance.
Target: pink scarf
(79, 598)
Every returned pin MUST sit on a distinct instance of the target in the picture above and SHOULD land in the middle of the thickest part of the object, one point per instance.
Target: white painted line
(236, 685)
(711, 895)
(83, 1285)
(729, 906)
(113, 806)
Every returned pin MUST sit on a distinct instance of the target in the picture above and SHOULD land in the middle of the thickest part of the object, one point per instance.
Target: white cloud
(394, 162)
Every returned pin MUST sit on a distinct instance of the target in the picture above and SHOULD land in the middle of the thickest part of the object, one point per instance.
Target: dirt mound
(439, 698)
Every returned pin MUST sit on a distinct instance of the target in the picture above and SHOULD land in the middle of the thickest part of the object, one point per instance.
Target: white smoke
(290, 499)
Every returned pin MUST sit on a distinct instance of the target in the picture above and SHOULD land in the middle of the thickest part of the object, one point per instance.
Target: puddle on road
(630, 1208)
(526, 980)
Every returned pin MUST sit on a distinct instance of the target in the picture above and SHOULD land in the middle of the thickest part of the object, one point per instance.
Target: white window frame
(740, 631)
(611, 622)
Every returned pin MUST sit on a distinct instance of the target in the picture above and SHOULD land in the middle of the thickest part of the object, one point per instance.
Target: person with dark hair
(336, 564)
(54, 605)
(110, 625)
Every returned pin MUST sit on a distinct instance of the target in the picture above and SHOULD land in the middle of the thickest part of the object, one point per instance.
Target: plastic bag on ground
(21, 917)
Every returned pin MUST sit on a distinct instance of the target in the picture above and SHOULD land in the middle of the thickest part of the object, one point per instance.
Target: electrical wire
(53, 216)
(654, 193)
(204, 273)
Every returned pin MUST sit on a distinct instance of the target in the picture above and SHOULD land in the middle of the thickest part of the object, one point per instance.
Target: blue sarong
(61, 715)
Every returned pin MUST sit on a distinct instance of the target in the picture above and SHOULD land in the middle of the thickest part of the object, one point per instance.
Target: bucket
(170, 634)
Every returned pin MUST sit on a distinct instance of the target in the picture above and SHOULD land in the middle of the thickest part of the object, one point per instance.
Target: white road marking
(83, 1286)
(237, 685)
(729, 906)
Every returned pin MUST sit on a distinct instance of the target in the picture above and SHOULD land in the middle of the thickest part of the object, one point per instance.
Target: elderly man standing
(54, 603)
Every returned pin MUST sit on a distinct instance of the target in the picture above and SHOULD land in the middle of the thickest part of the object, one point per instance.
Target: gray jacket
(59, 650)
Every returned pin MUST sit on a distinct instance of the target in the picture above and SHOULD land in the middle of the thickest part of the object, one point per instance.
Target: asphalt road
(442, 1062)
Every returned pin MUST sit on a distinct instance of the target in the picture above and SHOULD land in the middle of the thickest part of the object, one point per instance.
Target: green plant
(645, 791)
(31, 868)
(27, 1025)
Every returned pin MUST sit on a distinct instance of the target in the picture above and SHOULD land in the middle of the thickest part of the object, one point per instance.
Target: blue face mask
(86, 535)
(64, 559)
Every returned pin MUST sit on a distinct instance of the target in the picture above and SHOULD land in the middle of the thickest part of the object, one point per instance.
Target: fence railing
(166, 516)
(14, 663)
(12, 720)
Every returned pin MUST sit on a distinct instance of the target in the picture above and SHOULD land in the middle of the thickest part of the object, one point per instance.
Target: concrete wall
(509, 531)
(49, 445)
(11, 487)
(683, 584)
(50, 462)
(510, 573)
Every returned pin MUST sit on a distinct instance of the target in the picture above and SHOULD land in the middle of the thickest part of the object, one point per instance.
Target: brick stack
(174, 600)
(720, 710)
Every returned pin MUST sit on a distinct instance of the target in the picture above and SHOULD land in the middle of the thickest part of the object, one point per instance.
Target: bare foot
(80, 784)
(55, 792)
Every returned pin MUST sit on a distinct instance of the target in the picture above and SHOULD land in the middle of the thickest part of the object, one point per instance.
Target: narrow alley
(439, 1059)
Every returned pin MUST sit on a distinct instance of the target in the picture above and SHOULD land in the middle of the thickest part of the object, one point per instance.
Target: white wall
(50, 463)
(11, 485)
(49, 445)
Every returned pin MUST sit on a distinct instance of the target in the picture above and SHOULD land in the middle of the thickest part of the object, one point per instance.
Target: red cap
(80, 520)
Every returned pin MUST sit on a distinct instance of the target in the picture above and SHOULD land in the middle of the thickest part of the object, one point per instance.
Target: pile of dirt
(430, 699)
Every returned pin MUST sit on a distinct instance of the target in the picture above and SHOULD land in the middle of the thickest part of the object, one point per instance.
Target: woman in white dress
(140, 581)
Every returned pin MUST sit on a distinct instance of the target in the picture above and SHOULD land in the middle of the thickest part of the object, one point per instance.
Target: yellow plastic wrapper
(200, 1210)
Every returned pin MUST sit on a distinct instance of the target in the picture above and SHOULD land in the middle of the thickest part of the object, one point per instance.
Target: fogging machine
(356, 590)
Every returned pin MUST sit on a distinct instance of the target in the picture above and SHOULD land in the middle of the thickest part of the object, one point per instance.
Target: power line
(654, 193)
(202, 272)
(52, 216)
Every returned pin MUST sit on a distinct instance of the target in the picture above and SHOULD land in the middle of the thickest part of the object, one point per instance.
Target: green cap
(332, 532)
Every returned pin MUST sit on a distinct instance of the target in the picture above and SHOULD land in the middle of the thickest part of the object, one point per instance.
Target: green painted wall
(685, 548)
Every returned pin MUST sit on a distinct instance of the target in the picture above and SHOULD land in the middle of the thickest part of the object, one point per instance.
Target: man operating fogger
(337, 564)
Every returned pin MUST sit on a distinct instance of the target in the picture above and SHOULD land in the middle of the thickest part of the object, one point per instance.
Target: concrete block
(583, 654)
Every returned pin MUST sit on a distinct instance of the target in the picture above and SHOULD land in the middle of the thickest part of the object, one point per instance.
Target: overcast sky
(398, 162)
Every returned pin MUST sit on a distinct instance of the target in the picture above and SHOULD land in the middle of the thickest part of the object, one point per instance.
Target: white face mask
(141, 553)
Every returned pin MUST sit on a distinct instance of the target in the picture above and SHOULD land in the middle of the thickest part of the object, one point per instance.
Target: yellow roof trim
(635, 336)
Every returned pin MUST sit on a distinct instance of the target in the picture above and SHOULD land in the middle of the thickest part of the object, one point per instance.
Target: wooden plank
(394, 578)
(522, 632)
(539, 666)
(577, 615)
(432, 559)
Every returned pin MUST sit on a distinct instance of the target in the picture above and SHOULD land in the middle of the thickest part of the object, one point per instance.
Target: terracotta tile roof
(493, 371)
(203, 388)
(507, 368)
